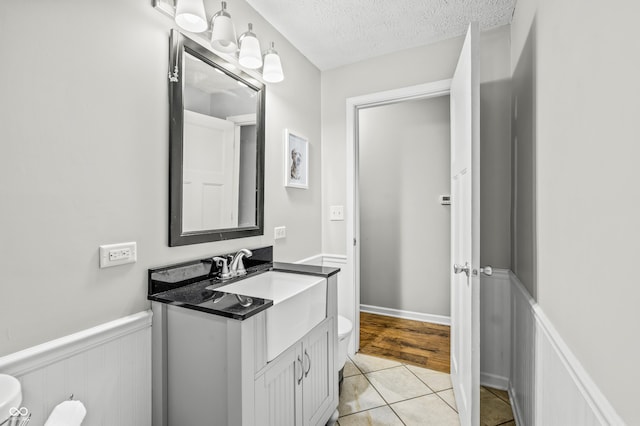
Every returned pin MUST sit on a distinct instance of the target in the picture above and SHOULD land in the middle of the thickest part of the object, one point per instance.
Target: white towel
(67, 413)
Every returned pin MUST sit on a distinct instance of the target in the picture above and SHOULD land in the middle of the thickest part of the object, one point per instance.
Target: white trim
(316, 259)
(420, 91)
(36, 357)
(504, 274)
(515, 282)
(592, 397)
(494, 381)
(600, 405)
(517, 411)
(334, 258)
(410, 315)
(322, 259)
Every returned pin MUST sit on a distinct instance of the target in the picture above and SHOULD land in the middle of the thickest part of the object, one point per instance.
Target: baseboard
(494, 381)
(410, 315)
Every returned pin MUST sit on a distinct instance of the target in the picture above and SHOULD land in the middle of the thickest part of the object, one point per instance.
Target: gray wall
(84, 129)
(585, 93)
(523, 139)
(417, 66)
(404, 163)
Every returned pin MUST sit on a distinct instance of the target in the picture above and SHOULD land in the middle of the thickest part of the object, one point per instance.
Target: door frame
(352, 213)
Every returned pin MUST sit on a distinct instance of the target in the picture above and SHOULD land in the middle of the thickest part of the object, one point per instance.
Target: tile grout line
(433, 390)
(426, 384)
(387, 403)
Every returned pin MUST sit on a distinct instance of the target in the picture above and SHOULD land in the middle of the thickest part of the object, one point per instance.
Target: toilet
(10, 396)
(344, 333)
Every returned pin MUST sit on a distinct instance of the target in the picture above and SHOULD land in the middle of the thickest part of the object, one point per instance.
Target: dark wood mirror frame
(179, 44)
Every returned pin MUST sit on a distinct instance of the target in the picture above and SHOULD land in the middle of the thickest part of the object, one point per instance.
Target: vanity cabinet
(296, 388)
(211, 370)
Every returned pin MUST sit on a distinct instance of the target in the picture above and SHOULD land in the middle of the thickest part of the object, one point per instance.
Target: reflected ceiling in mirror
(217, 148)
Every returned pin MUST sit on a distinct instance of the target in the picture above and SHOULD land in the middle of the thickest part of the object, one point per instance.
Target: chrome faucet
(237, 267)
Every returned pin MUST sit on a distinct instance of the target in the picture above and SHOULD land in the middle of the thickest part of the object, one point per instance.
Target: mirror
(216, 147)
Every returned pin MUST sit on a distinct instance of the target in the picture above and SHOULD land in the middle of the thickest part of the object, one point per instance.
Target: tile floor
(382, 392)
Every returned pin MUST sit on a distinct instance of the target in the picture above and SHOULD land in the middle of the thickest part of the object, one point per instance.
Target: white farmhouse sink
(299, 304)
(10, 395)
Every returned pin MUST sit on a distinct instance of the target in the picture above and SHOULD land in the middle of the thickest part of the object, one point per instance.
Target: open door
(465, 231)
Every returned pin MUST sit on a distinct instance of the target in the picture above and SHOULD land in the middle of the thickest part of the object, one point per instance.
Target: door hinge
(354, 241)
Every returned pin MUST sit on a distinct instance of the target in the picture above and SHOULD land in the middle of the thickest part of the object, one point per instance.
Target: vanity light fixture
(223, 33)
(191, 16)
(250, 55)
(272, 68)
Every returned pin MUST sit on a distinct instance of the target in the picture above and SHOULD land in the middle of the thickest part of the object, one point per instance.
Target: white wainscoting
(108, 368)
(495, 329)
(522, 384)
(549, 386)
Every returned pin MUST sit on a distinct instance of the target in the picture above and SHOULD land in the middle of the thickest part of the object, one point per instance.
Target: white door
(465, 231)
(211, 173)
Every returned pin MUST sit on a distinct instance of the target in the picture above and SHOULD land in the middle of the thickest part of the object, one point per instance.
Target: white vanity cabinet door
(278, 391)
(297, 387)
(317, 390)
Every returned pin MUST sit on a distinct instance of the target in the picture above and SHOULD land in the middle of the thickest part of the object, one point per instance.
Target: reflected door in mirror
(211, 173)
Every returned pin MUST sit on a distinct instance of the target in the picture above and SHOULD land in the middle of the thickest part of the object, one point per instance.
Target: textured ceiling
(331, 33)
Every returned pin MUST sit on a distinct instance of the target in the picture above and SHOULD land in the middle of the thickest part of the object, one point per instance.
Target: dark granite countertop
(296, 268)
(197, 297)
(185, 285)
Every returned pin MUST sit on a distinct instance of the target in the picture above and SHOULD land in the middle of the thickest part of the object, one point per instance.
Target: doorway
(404, 162)
(404, 179)
(353, 216)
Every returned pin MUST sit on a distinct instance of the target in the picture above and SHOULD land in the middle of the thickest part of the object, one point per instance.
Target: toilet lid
(344, 326)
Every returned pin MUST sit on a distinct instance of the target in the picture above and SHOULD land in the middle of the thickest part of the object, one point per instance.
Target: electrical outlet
(279, 232)
(118, 254)
(336, 213)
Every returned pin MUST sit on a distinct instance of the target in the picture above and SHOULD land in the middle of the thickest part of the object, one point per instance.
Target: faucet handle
(224, 274)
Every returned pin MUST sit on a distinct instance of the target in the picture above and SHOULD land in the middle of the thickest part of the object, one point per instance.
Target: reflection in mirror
(217, 148)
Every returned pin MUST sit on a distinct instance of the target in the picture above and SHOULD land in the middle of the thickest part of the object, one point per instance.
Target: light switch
(336, 213)
(118, 254)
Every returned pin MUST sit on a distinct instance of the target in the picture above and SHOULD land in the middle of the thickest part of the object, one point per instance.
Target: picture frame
(296, 160)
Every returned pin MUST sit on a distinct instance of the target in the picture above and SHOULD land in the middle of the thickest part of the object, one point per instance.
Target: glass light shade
(272, 69)
(190, 15)
(223, 33)
(250, 55)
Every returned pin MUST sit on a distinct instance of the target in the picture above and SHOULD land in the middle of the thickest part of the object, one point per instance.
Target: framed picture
(296, 160)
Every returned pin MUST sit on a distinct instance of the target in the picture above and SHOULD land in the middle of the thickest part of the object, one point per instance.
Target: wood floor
(413, 342)
(426, 345)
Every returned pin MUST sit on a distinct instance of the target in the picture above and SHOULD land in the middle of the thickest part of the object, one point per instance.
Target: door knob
(459, 269)
(487, 270)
